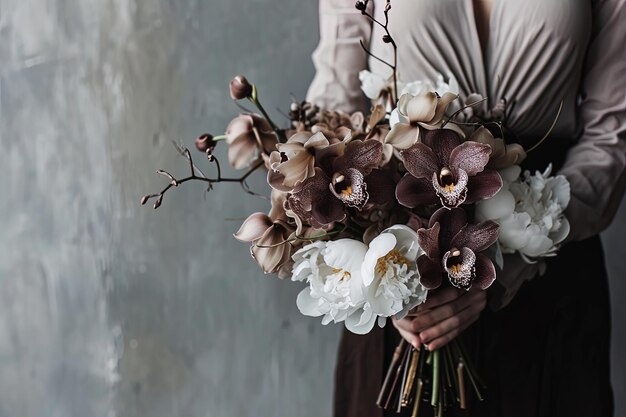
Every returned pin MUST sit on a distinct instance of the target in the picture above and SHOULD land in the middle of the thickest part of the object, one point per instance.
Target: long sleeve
(339, 57)
(596, 165)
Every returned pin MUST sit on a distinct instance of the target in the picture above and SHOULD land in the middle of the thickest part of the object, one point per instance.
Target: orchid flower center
(454, 261)
(446, 179)
(392, 260)
(342, 186)
(461, 267)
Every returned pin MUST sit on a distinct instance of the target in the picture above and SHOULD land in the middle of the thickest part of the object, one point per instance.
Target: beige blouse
(539, 53)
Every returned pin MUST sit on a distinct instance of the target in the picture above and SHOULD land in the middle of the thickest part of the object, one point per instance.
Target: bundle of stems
(439, 378)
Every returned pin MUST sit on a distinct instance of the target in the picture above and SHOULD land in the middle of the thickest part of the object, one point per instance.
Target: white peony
(390, 275)
(529, 210)
(333, 272)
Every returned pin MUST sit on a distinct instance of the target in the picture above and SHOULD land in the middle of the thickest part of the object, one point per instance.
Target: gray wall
(112, 309)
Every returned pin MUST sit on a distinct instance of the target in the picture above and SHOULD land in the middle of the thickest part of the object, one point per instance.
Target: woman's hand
(444, 315)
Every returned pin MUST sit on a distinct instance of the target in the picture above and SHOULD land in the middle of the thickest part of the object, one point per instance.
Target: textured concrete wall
(112, 309)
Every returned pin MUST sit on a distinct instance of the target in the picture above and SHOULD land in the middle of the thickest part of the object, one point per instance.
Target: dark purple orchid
(445, 168)
(453, 246)
(341, 181)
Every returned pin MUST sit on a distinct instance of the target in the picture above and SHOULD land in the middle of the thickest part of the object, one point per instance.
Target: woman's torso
(534, 55)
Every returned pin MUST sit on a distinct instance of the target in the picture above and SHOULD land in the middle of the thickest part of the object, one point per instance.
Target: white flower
(373, 85)
(529, 211)
(390, 274)
(333, 272)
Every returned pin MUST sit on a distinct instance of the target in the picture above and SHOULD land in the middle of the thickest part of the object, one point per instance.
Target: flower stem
(254, 99)
(435, 389)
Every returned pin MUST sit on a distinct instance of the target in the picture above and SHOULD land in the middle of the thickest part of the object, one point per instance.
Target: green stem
(219, 137)
(254, 99)
(435, 389)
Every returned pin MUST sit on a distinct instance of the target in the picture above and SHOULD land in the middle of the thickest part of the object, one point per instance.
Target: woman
(542, 347)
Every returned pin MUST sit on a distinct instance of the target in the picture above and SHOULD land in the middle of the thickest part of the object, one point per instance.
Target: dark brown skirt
(544, 355)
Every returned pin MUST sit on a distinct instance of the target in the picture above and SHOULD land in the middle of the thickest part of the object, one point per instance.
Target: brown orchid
(445, 167)
(340, 182)
(249, 136)
(452, 247)
(294, 161)
(270, 235)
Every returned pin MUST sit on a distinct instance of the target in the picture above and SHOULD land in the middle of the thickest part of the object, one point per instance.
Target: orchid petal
(429, 241)
(442, 104)
(483, 185)
(422, 107)
(420, 161)
(253, 227)
(430, 272)
(442, 142)
(413, 192)
(477, 237)
(471, 157)
(485, 272)
(402, 136)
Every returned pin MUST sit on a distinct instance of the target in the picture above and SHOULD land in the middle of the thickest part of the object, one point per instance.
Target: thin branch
(461, 109)
(174, 182)
(367, 51)
(558, 114)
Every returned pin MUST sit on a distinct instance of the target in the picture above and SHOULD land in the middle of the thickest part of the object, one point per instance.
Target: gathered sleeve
(596, 165)
(339, 57)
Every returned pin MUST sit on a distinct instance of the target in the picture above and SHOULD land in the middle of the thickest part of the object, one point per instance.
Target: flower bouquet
(373, 212)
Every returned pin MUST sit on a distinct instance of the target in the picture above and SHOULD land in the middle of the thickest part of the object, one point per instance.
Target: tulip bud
(205, 142)
(240, 88)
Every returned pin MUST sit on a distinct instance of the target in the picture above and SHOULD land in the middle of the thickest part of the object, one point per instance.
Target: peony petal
(412, 192)
(407, 241)
(442, 142)
(422, 107)
(485, 272)
(477, 237)
(499, 206)
(429, 241)
(471, 157)
(483, 185)
(402, 136)
(308, 305)
(420, 161)
(345, 254)
(253, 227)
(361, 322)
(379, 247)
(430, 272)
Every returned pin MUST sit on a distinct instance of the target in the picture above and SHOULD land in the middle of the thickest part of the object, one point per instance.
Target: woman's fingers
(440, 297)
(443, 332)
(410, 337)
(430, 318)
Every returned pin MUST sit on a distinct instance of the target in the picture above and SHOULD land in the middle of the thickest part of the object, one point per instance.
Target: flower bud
(360, 5)
(205, 142)
(240, 88)
(386, 38)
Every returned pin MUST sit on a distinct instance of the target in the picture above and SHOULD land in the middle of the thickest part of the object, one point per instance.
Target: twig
(174, 182)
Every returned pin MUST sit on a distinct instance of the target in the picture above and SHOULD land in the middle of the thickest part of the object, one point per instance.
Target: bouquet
(372, 212)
